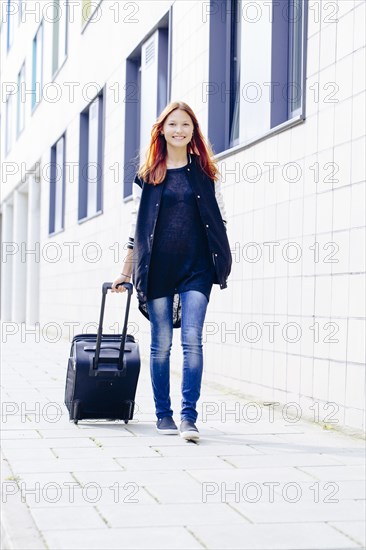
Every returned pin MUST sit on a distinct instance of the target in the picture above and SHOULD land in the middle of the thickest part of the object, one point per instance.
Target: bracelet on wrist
(129, 276)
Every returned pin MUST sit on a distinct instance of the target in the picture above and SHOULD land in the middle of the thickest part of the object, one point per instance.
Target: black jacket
(147, 198)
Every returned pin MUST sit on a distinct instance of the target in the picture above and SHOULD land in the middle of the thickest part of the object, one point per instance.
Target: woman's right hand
(120, 279)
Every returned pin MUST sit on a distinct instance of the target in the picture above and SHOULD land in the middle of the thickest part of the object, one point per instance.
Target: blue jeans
(194, 305)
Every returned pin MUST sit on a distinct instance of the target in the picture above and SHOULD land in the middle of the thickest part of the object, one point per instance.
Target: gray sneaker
(166, 426)
(188, 430)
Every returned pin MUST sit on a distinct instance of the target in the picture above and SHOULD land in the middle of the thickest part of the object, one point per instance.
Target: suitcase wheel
(126, 421)
(76, 411)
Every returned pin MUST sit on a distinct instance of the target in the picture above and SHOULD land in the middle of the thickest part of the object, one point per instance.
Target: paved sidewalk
(258, 484)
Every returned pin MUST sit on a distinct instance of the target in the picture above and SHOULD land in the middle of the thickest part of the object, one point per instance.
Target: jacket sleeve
(220, 199)
(136, 196)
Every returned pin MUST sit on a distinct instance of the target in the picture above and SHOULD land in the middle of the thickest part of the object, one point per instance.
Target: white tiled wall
(328, 296)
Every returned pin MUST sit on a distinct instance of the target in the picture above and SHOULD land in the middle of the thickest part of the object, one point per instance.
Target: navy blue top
(180, 258)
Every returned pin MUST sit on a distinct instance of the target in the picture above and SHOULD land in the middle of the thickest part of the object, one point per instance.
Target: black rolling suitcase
(103, 371)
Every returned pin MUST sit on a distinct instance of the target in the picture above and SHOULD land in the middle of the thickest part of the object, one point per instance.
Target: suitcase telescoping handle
(106, 287)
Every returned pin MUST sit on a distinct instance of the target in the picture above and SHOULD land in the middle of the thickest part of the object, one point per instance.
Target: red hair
(153, 170)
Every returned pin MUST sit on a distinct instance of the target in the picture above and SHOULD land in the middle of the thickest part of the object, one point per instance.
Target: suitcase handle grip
(105, 288)
(108, 286)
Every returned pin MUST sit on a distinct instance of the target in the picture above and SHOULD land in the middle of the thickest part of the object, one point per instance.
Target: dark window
(91, 158)
(147, 92)
(37, 67)
(57, 187)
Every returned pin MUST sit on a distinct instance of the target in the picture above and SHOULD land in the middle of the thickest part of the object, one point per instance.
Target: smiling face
(178, 128)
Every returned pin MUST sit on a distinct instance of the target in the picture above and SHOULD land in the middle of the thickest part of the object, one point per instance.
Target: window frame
(20, 104)
(20, 11)
(133, 106)
(9, 116)
(220, 119)
(52, 197)
(60, 64)
(299, 110)
(34, 102)
(9, 27)
(83, 186)
(85, 22)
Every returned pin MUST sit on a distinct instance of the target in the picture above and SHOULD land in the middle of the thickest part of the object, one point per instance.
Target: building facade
(279, 90)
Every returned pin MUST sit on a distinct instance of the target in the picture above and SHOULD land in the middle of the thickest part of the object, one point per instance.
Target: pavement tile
(30, 481)
(65, 518)
(257, 428)
(324, 490)
(104, 452)
(169, 515)
(173, 463)
(41, 443)
(148, 441)
(82, 431)
(285, 474)
(245, 439)
(53, 420)
(28, 454)
(20, 434)
(144, 538)
(141, 477)
(27, 423)
(336, 473)
(354, 529)
(54, 495)
(201, 450)
(185, 491)
(357, 457)
(299, 511)
(283, 536)
(287, 459)
(149, 429)
(114, 495)
(65, 465)
(18, 529)
(280, 447)
(20, 533)
(17, 402)
(319, 438)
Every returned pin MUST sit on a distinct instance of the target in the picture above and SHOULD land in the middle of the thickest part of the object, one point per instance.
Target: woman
(177, 249)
